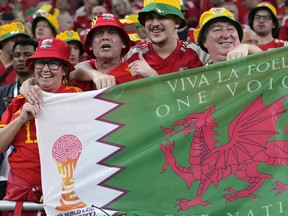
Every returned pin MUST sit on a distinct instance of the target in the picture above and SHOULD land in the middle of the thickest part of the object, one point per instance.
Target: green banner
(208, 141)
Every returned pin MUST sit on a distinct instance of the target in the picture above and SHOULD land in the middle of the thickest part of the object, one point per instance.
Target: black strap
(3, 77)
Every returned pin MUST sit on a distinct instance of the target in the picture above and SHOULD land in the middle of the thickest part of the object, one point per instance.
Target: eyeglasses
(265, 18)
(52, 64)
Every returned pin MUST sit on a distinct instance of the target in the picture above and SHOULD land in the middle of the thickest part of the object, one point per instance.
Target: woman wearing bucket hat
(263, 20)
(50, 64)
(219, 33)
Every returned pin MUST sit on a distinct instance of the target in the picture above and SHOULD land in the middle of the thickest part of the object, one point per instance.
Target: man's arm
(243, 50)
(84, 72)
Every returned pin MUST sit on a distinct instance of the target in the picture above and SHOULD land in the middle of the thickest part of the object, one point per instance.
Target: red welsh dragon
(248, 146)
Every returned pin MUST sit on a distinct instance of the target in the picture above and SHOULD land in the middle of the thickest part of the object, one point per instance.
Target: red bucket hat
(106, 19)
(51, 48)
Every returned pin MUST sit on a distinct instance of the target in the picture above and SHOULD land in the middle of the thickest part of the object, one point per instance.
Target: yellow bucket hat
(133, 18)
(130, 28)
(42, 14)
(70, 35)
(12, 29)
(163, 8)
(212, 15)
(269, 7)
(49, 8)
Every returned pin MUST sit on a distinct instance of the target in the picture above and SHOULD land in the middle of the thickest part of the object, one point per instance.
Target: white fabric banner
(71, 156)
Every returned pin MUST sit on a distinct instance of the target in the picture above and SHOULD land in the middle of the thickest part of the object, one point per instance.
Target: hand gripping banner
(204, 142)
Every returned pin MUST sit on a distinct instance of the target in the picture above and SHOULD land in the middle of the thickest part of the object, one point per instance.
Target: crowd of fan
(55, 24)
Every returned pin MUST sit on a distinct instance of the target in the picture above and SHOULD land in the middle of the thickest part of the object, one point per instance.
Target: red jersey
(275, 43)
(24, 159)
(11, 76)
(283, 33)
(121, 73)
(185, 56)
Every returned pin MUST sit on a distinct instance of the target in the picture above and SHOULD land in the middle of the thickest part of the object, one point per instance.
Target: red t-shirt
(121, 73)
(283, 32)
(11, 77)
(275, 43)
(185, 56)
(24, 159)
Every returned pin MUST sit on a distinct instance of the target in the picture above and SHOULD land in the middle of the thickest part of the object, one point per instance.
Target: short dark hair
(26, 41)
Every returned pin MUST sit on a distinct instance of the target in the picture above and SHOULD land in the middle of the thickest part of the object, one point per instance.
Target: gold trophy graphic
(66, 152)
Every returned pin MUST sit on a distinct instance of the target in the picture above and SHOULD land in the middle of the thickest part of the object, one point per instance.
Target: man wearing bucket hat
(50, 64)
(9, 33)
(165, 53)
(72, 38)
(263, 20)
(44, 25)
(219, 33)
(106, 42)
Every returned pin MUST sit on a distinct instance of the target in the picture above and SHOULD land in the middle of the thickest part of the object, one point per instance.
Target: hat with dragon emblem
(105, 20)
(70, 36)
(51, 48)
(209, 17)
(163, 8)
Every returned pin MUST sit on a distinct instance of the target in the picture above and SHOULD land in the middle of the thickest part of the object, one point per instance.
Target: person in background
(130, 28)
(97, 10)
(65, 21)
(121, 8)
(72, 38)
(283, 32)
(64, 6)
(249, 5)
(83, 14)
(22, 49)
(263, 20)
(44, 25)
(219, 33)
(250, 37)
(50, 64)
(9, 34)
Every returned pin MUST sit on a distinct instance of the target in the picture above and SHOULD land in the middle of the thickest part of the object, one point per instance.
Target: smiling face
(49, 73)
(107, 43)
(161, 29)
(219, 39)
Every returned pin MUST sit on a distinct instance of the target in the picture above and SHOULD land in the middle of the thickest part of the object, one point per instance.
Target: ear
(123, 46)
(90, 48)
(177, 22)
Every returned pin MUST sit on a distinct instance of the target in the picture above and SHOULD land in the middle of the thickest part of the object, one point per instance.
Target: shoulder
(135, 50)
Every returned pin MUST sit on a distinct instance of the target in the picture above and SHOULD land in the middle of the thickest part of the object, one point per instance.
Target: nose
(155, 21)
(22, 58)
(46, 67)
(105, 35)
(225, 33)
